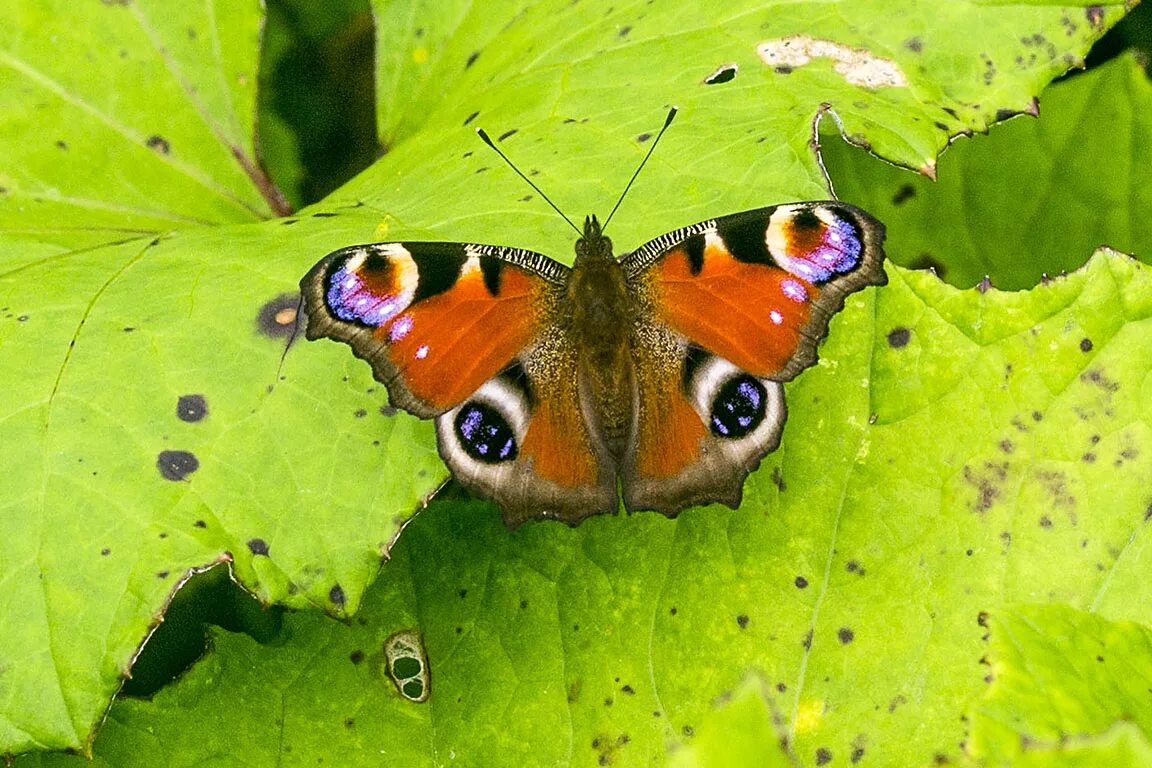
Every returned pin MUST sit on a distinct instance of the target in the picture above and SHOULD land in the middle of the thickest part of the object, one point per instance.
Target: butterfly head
(593, 245)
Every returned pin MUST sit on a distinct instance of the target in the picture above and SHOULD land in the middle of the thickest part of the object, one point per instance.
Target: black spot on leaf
(258, 547)
(724, 74)
(902, 195)
(898, 337)
(336, 596)
(191, 408)
(159, 144)
(507, 134)
(823, 756)
(471, 59)
(176, 465)
(643, 137)
(846, 635)
(801, 582)
(471, 117)
(742, 621)
(1085, 345)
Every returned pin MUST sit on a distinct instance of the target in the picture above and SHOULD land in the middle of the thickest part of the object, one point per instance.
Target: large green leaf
(157, 420)
(853, 586)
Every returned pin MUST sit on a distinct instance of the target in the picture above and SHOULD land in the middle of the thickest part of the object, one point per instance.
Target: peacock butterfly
(655, 377)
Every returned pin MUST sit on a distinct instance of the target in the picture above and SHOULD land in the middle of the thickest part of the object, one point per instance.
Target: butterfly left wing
(471, 335)
(736, 306)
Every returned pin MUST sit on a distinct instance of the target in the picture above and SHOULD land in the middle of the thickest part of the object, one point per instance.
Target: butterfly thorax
(600, 315)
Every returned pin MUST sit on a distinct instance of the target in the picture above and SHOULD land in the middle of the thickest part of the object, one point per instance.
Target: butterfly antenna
(487, 140)
(667, 122)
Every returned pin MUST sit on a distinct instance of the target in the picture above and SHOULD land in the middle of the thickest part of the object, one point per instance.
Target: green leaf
(157, 418)
(550, 74)
(1068, 688)
(127, 117)
(853, 582)
(1033, 197)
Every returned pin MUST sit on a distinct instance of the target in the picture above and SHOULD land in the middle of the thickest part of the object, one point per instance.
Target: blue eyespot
(739, 407)
(485, 434)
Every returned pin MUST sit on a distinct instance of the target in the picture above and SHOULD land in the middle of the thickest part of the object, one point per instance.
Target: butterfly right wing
(471, 335)
(736, 305)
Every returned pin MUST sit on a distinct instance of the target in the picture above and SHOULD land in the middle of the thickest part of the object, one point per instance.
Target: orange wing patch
(445, 346)
(755, 312)
(670, 431)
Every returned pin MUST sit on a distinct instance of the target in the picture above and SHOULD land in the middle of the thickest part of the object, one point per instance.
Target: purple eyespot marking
(838, 252)
(484, 434)
(349, 300)
(400, 328)
(739, 407)
(794, 290)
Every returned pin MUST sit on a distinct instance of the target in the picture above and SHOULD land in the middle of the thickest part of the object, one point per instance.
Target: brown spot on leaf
(823, 756)
(277, 318)
(987, 482)
(159, 144)
(1097, 378)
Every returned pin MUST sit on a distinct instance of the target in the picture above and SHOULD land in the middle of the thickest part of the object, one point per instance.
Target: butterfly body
(655, 377)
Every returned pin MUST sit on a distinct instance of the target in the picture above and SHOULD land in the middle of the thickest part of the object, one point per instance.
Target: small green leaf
(1068, 688)
(1033, 197)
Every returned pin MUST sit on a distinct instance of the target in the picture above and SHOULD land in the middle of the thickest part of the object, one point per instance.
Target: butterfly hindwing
(470, 335)
(741, 302)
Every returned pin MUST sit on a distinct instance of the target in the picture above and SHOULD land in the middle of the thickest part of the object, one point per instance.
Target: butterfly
(655, 378)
